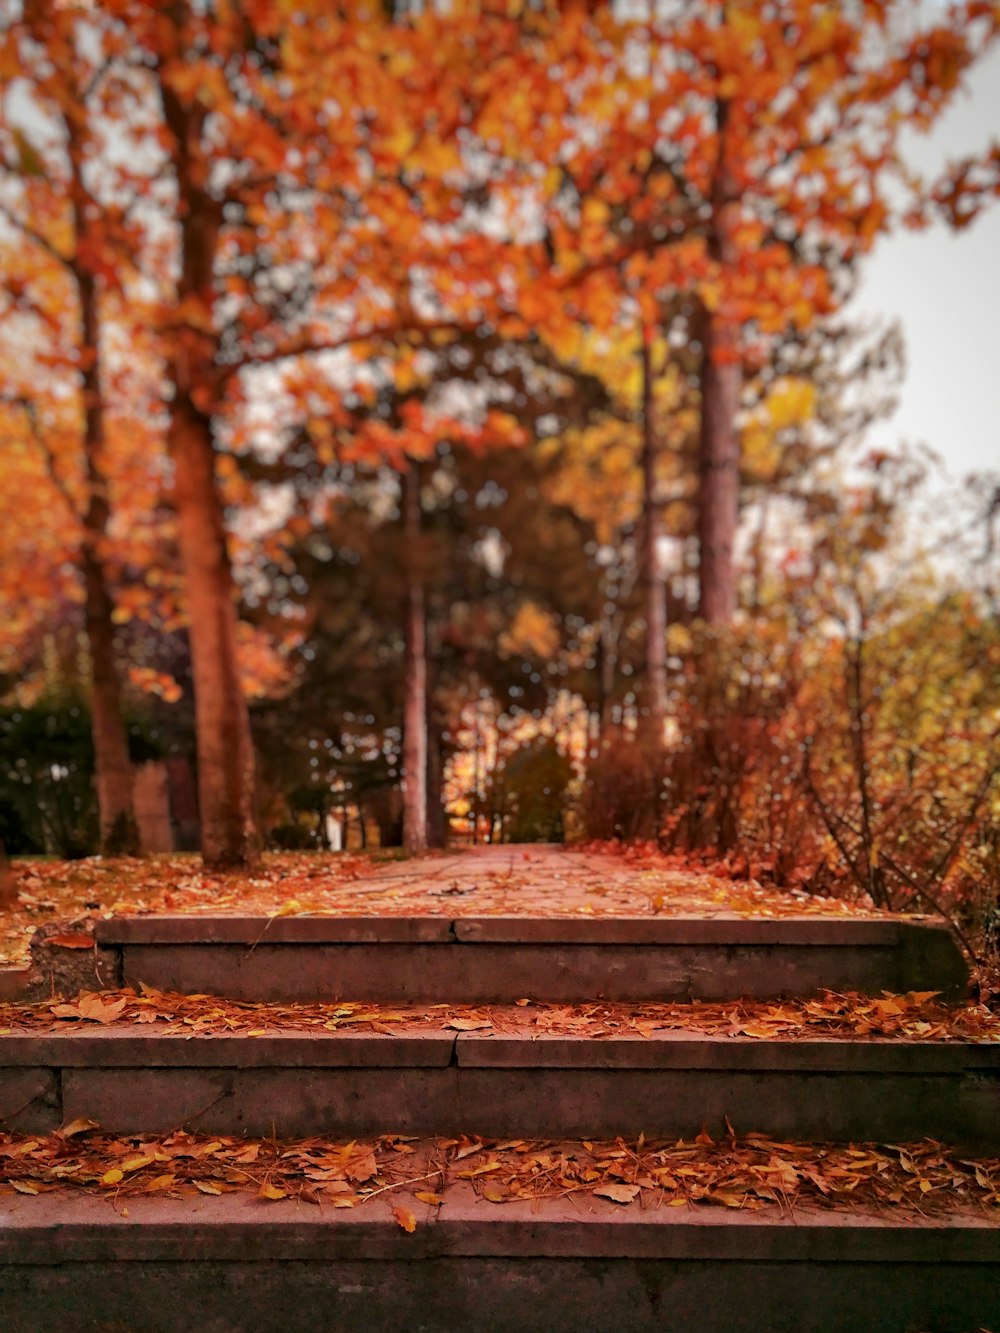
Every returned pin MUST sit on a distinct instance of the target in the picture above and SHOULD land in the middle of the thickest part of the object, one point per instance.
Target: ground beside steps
(109, 1259)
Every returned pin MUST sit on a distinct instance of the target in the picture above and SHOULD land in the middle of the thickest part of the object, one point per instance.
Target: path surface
(550, 880)
(530, 879)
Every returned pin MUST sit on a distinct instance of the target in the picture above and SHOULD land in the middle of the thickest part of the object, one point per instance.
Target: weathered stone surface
(561, 972)
(254, 930)
(233, 1264)
(261, 1102)
(724, 929)
(667, 1086)
(137, 1047)
(29, 1100)
(672, 1049)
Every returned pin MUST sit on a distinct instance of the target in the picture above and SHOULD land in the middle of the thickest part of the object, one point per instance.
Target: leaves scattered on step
(418, 1177)
(543, 883)
(916, 1015)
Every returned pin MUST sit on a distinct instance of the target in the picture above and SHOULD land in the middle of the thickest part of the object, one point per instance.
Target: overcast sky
(944, 288)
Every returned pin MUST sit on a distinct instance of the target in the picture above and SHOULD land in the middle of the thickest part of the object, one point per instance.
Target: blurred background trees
(427, 423)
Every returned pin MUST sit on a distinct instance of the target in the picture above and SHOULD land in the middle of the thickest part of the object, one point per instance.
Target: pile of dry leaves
(915, 1015)
(751, 1172)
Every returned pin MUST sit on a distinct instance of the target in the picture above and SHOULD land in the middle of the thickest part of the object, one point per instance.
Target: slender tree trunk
(415, 684)
(119, 831)
(225, 750)
(8, 885)
(436, 823)
(721, 382)
(607, 662)
(653, 575)
(222, 721)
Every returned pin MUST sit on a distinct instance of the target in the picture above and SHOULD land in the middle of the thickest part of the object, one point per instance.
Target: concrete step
(433, 1083)
(234, 1263)
(499, 959)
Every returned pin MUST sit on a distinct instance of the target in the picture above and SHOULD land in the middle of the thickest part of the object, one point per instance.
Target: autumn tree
(81, 247)
(745, 156)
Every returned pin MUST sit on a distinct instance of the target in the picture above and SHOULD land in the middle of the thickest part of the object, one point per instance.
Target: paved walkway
(554, 880)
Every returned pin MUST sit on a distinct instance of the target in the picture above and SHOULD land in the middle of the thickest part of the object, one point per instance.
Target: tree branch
(33, 235)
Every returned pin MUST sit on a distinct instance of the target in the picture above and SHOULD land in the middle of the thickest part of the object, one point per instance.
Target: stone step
(233, 1263)
(499, 959)
(428, 1082)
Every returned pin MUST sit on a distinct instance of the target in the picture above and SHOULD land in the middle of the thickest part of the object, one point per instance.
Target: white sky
(944, 288)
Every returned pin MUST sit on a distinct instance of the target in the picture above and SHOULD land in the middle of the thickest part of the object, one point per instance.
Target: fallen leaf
(72, 940)
(429, 1197)
(618, 1193)
(405, 1218)
(160, 1183)
(91, 1007)
(137, 1163)
(269, 1191)
(81, 1125)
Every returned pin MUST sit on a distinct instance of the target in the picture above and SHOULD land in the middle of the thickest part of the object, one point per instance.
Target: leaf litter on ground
(913, 1016)
(750, 1172)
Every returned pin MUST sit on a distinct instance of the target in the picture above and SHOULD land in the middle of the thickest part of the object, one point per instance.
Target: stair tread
(242, 1225)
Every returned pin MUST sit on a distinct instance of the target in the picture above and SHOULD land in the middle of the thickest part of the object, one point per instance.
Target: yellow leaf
(81, 1125)
(207, 1187)
(137, 1163)
(429, 1197)
(268, 1191)
(111, 1177)
(24, 1187)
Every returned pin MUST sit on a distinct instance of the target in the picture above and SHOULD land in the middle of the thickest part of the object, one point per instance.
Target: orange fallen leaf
(72, 939)
(81, 1125)
(405, 1218)
(92, 1008)
(269, 1191)
(618, 1193)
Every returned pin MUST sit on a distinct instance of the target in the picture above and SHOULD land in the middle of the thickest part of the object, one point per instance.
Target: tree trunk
(653, 576)
(8, 885)
(721, 382)
(415, 683)
(222, 721)
(113, 768)
(436, 822)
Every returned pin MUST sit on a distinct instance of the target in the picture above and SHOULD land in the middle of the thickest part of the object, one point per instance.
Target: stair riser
(963, 1109)
(503, 973)
(489, 1295)
(502, 959)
